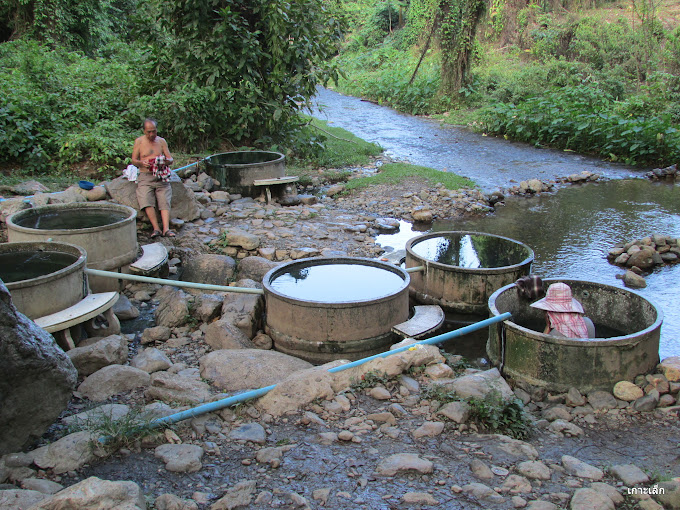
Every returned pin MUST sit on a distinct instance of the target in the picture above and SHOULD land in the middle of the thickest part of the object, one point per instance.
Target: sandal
(155, 234)
(170, 233)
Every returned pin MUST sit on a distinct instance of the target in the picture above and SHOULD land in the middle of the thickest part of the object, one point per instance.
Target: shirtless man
(151, 190)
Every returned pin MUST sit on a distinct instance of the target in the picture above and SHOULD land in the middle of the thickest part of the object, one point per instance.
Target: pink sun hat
(558, 299)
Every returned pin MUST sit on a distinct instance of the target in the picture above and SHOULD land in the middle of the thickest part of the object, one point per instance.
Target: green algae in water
(338, 283)
(471, 251)
(71, 219)
(26, 265)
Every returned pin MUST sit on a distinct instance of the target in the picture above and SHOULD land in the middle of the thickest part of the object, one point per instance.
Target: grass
(395, 173)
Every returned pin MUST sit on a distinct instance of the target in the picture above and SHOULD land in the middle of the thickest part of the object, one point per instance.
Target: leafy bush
(499, 416)
(588, 120)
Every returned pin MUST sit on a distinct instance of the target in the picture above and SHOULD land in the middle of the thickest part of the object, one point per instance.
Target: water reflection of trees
(474, 251)
(299, 274)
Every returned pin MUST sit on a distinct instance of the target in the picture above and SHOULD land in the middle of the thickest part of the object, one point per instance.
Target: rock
(243, 369)
(626, 390)
(422, 214)
(601, 400)
(209, 268)
(428, 429)
(564, 427)
(670, 367)
(151, 360)
(335, 189)
(630, 279)
(480, 384)
(657, 382)
(558, 412)
(240, 495)
(156, 334)
(629, 474)
(458, 412)
(481, 470)
(403, 462)
(574, 398)
(576, 467)
(419, 498)
(254, 268)
(380, 393)
(590, 499)
(16, 499)
(112, 380)
(173, 308)
(96, 494)
(644, 259)
(112, 350)
(41, 485)
(36, 378)
(11, 206)
(177, 388)
(297, 390)
(183, 204)
(515, 448)
(180, 458)
(253, 432)
(223, 334)
(67, 454)
(534, 469)
(482, 492)
(647, 403)
(272, 456)
(515, 484)
(207, 307)
(68, 196)
(608, 491)
(241, 239)
(125, 310)
(172, 502)
(671, 494)
(110, 412)
(262, 341)
(244, 310)
(29, 188)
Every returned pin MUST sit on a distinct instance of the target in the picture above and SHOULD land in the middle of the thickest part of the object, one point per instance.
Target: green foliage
(587, 120)
(394, 173)
(255, 63)
(370, 379)
(59, 108)
(499, 416)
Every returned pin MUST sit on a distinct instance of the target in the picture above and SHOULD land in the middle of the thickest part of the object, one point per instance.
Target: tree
(457, 29)
(257, 62)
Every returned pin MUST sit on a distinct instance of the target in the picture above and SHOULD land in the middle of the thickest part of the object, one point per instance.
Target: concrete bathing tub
(322, 309)
(43, 277)
(107, 232)
(237, 170)
(462, 269)
(627, 326)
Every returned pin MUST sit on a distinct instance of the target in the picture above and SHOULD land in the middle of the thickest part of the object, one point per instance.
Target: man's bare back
(149, 145)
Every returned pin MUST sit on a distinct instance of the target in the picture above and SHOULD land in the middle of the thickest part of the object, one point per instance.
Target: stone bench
(154, 256)
(84, 312)
(268, 183)
(426, 319)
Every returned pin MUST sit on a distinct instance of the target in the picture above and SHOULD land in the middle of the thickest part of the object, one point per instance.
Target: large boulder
(244, 310)
(36, 378)
(94, 494)
(113, 380)
(297, 390)
(243, 369)
(111, 350)
(255, 268)
(183, 205)
(173, 308)
(209, 268)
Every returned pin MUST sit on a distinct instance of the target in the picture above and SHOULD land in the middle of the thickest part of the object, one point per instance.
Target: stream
(570, 230)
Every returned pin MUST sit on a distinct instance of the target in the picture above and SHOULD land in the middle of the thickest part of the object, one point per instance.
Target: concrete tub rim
(279, 159)
(77, 265)
(575, 342)
(457, 269)
(131, 216)
(269, 276)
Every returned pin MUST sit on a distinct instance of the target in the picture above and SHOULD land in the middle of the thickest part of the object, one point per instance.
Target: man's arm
(166, 152)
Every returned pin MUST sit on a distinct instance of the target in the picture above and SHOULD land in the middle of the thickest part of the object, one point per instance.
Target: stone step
(426, 319)
(153, 257)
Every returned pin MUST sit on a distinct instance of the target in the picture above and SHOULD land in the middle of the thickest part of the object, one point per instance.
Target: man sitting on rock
(152, 156)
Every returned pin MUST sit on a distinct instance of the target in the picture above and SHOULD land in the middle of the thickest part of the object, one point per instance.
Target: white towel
(130, 173)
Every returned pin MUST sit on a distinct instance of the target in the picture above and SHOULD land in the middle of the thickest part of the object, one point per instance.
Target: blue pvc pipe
(221, 404)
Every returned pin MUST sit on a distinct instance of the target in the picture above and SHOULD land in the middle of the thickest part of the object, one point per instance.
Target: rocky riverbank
(418, 429)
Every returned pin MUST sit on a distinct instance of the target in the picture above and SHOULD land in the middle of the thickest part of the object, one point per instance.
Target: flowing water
(570, 231)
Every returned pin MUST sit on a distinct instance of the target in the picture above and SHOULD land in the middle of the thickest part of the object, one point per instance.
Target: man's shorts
(150, 190)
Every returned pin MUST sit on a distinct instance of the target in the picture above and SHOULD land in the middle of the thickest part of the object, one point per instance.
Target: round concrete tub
(237, 170)
(107, 232)
(628, 327)
(43, 277)
(322, 309)
(462, 269)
